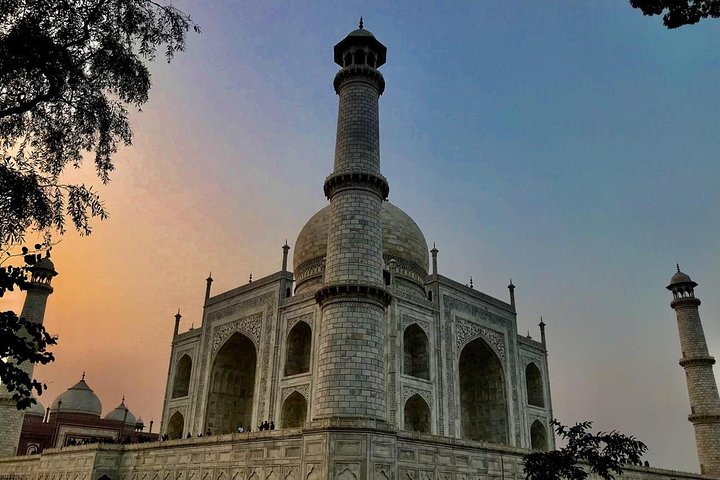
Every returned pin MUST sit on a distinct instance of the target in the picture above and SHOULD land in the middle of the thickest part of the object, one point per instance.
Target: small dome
(402, 240)
(361, 32)
(46, 263)
(119, 414)
(78, 399)
(36, 409)
(680, 277)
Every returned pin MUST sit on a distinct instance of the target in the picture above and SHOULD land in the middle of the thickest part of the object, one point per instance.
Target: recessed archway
(299, 341)
(538, 436)
(416, 355)
(417, 414)
(294, 411)
(181, 382)
(232, 386)
(483, 403)
(175, 426)
(534, 384)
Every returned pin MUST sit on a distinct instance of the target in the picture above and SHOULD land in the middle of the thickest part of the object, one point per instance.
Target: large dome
(78, 399)
(403, 241)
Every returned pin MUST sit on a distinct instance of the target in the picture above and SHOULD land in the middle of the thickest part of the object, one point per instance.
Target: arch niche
(534, 384)
(538, 436)
(294, 411)
(417, 415)
(232, 386)
(483, 404)
(181, 382)
(416, 355)
(175, 426)
(299, 340)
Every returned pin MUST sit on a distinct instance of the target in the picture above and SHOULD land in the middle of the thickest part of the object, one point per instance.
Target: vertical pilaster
(697, 362)
(351, 360)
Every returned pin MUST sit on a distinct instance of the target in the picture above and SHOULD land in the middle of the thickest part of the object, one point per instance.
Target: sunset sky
(572, 146)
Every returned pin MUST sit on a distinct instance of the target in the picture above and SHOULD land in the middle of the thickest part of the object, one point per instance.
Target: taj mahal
(369, 362)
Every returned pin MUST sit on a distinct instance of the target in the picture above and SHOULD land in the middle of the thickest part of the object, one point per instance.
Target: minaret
(38, 291)
(351, 361)
(697, 362)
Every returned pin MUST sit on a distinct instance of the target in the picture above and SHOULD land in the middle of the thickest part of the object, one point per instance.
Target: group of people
(264, 425)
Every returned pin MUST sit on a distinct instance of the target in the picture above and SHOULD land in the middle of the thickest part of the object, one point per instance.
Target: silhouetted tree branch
(602, 453)
(677, 13)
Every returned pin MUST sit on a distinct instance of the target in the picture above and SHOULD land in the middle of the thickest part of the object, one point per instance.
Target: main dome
(403, 241)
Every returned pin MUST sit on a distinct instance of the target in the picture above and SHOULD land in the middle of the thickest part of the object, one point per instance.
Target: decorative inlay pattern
(307, 318)
(410, 391)
(249, 325)
(407, 320)
(466, 330)
(303, 390)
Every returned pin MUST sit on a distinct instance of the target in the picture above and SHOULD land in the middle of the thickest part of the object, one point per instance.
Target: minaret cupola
(41, 274)
(681, 285)
(360, 48)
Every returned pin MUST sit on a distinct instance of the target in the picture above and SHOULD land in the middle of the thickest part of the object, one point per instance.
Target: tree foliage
(677, 13)
(602, 453)
(21, 340)
(69, 70)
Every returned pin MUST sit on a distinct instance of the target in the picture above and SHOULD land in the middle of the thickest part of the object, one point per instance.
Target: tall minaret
(11, 419)
(351, 361)
(697, 362)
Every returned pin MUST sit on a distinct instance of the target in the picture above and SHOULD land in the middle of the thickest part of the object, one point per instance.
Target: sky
(572, 146)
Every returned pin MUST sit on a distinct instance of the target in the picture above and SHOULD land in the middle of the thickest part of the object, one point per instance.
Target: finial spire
(250, 281)
(360, 25)
(678, 267)
(123, 399)
(83, 376)
(471, 282)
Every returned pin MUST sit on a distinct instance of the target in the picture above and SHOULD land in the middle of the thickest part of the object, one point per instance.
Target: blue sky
(570, 145)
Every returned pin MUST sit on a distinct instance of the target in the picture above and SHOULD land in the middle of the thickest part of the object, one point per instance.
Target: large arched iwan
(483, 401)
(232, 386)
(181, 381)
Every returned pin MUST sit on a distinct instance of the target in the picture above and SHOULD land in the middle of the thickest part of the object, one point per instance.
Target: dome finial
(83, 376)
(360, 25)
(678, 266)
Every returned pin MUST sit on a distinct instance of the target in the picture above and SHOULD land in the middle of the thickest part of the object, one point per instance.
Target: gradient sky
(572, 146)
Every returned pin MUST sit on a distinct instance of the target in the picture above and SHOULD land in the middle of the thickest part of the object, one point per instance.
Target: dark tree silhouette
(677, 13)
(603, 454)
(68, 72)
(21, 340)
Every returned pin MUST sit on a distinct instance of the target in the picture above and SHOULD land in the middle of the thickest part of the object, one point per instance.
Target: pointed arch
(417, 415)
(181, 381)
(416, 354)
(534, 384)
(538, 436)
(299, 343)
(294, 411)
(483, 401)
(176, 426)
(232, 388)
